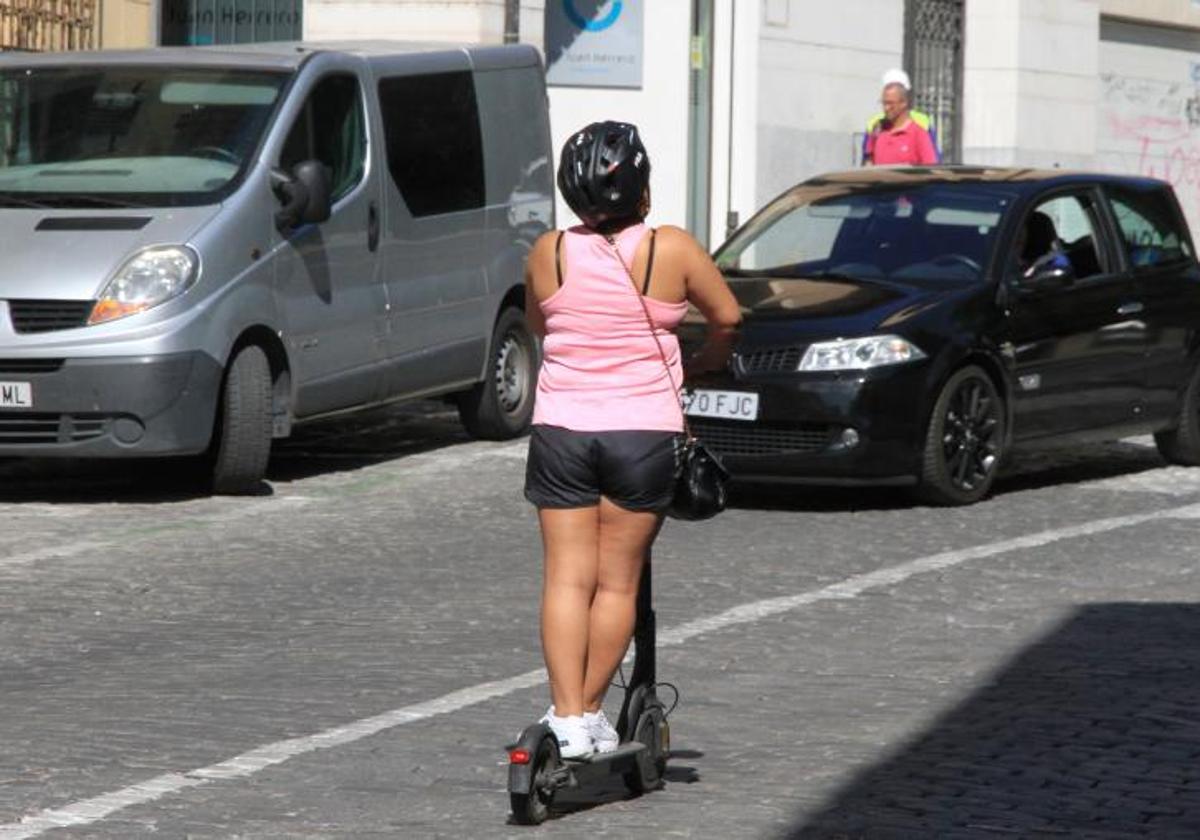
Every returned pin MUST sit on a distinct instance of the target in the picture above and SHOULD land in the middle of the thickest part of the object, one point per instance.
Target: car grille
(29, 365)
(741, 438)
(36, 316)
(34, 428)
(769, 360)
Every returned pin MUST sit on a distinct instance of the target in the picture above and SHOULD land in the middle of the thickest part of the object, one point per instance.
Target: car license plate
(726, 405)
(16, 395)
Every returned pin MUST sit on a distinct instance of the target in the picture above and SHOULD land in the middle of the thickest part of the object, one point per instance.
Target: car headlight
(860, 353)
(148, 278)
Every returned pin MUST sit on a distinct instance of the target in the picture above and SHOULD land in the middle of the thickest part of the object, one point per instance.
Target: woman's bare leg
(570, 539)
(625, 537)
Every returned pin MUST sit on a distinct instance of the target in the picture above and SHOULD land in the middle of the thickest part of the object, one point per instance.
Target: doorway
(933, 57)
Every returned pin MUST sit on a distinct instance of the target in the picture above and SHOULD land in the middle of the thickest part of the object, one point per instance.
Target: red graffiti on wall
(1167, 148)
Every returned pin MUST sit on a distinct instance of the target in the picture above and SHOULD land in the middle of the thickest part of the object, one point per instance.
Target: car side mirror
(1047, 273)
(304, 195)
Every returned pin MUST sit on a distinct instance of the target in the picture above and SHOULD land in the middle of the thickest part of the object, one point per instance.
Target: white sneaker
(573, 734)
(603, 734)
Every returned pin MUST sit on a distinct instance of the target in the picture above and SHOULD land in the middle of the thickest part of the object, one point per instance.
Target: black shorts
(633, 469)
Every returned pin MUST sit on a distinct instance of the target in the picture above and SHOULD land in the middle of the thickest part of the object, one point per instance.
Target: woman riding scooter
(607, 421)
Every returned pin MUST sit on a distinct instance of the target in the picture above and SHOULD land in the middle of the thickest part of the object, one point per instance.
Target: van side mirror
(1049, 272)
(304, 194)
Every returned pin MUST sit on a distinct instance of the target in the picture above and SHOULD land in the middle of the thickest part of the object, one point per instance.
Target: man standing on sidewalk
(899, 135)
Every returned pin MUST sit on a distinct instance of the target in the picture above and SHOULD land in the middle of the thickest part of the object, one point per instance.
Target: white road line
(425, 464)
(52, 552)
(92, 810)
(225, 514)
(1168, 481)
(854, 586)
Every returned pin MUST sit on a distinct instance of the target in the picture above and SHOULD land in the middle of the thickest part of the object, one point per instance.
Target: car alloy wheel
(968, 437)
(965, 440)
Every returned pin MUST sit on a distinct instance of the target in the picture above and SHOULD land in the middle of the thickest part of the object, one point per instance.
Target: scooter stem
(644, 664)
(641, 682)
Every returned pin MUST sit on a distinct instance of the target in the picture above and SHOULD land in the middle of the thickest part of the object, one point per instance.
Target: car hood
(787, 308)
(56, 254)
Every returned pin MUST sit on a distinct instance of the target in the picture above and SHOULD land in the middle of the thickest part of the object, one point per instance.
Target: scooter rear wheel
(533, 808)
(650, 765)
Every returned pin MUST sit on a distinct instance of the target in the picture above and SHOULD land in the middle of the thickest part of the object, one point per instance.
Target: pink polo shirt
(910, 144)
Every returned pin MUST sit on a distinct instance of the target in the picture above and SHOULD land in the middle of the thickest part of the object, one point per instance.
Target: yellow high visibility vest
(919, 117)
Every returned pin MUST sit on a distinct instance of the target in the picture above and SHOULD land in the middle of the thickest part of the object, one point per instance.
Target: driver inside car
(1038, 246)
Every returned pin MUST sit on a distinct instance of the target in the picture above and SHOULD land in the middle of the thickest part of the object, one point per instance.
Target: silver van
(202, 247)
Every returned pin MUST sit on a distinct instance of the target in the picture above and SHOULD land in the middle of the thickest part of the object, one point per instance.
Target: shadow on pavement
(1022, 471)
(327, 446)
(1092, 732)
(352, 442)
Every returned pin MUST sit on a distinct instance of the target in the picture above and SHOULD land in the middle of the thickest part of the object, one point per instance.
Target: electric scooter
(536, 770)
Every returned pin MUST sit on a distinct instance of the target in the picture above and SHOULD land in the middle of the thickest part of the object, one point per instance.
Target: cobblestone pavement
(346, 655)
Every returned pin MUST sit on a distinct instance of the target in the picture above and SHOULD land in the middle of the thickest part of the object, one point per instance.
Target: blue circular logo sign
(592, 25)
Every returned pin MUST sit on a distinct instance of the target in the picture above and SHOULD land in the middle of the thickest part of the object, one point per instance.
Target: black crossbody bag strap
(558, 258)
(687, 429)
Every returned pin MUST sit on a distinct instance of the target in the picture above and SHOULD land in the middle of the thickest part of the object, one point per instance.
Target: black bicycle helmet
(603, 172)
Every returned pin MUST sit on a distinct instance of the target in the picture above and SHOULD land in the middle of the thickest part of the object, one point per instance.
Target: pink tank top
(601, 369)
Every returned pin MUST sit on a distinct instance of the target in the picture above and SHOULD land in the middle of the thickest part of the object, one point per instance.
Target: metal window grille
(37, 25)
(205, 22)
(933, 58)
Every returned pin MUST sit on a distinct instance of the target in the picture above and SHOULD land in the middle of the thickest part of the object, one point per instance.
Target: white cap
(896, 76)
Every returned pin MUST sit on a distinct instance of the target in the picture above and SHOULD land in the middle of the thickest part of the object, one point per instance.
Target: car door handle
(372, 227)
(1130, 308)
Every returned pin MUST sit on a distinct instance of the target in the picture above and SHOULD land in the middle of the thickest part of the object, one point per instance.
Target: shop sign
(594, 43)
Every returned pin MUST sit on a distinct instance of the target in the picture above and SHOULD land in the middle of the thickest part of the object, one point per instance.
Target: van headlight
(860, 353)
(148, 278)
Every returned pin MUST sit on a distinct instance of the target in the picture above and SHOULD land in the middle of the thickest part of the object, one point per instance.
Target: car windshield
(128, 135)
(936, 233)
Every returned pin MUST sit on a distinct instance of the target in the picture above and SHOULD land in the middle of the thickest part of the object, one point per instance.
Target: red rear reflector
(518, 756)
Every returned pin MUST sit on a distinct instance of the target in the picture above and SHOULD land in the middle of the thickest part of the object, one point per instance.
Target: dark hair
(603, 174)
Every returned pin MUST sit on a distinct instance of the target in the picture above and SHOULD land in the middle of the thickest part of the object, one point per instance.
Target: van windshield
(129, 135)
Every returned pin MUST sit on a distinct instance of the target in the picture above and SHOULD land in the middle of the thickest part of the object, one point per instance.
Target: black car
(913, 326)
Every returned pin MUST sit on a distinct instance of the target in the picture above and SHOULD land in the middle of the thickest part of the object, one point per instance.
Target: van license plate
(726, 405)
(16, 395)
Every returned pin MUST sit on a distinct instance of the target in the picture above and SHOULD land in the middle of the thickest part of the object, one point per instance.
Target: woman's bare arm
(707, 290)
(541, 280)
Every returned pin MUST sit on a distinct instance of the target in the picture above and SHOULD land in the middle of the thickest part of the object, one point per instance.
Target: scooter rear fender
(520, 776)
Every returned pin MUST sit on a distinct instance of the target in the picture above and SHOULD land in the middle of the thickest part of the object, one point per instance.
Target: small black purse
(700, 487)
(701, 478)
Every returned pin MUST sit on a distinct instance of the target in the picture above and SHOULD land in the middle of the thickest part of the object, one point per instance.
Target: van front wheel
(241, 441)
(500, 407)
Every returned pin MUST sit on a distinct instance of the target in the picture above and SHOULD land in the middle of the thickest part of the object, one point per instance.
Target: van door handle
(1130, 308)
(372, 227)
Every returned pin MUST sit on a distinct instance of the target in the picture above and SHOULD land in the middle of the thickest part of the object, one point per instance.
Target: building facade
(739, 99)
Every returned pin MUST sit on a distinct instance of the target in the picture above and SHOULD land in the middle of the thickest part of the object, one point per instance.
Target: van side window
(330, 129)
(1150, 228)
(434, 147)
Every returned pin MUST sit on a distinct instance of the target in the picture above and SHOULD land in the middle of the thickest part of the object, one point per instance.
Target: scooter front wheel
(653, 731)
(533, 808)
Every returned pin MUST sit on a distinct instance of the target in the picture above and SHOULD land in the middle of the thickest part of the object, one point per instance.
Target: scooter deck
(578, 772)
(623, 751)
